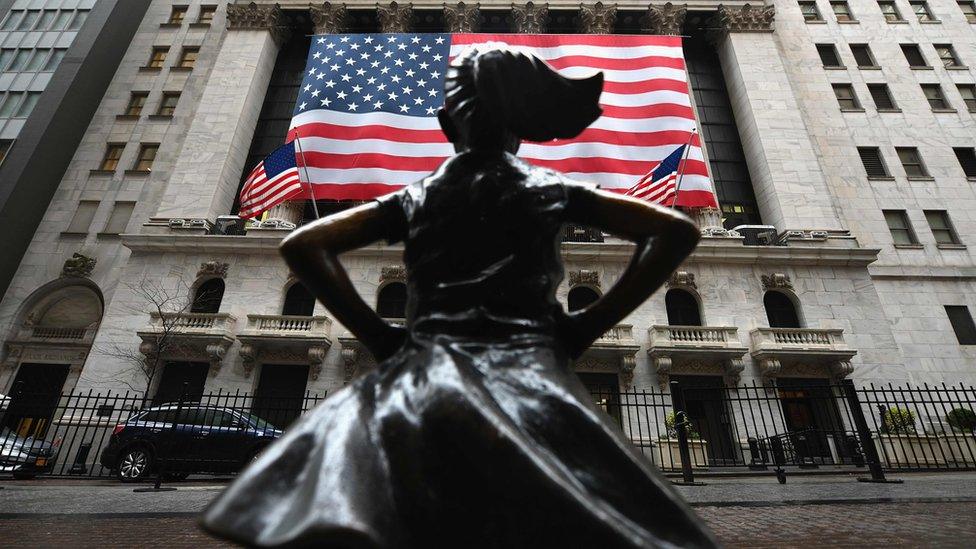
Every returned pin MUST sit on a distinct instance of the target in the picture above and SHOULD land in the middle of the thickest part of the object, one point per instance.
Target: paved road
(927, 510)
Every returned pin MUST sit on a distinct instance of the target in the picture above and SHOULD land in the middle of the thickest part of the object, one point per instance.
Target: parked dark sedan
(193, 439)
(26, 457)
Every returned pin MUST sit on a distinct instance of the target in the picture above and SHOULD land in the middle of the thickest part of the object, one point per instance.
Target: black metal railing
(691, 427)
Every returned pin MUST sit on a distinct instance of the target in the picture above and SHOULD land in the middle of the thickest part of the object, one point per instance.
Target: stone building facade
(859, 267)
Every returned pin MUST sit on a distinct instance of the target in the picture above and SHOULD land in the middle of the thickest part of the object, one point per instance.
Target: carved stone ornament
(584, 277)
(216, 353)
(394, 17)
(393, 273)
(255, 16)
(249, 358)
(530, 18)
(770, 367)
(328, 18)
(666, 19)
(745, 19)
(682, 279)
(316, 357)
(213, 269)
(776, 281)
(733, 369)
(842, 368)
(597, 18)
(461, 17)
(78, 266)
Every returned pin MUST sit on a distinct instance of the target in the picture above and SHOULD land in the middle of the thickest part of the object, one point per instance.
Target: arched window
(581, 297)
(682, 308)
(298, 301)
(392, 301)
(780, 310)
(208, 296)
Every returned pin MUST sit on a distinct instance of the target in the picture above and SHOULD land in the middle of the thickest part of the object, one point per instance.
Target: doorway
(176, 375)
(280, 394)
(811, 417)
(34, 398)
(708, 411)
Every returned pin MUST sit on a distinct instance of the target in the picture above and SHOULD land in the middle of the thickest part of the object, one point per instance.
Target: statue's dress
(476, 433)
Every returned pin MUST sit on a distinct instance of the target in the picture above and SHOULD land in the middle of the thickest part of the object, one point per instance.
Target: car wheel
(134, 465)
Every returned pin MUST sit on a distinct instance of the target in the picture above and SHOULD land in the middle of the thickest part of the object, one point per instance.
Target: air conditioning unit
(176, 222)
(229, 225)
(757, 235)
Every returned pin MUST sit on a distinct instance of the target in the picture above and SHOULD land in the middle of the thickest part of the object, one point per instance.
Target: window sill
(73, 233)
(951, 246)
(880, 178)
(909, 246)
(138, 172)
(850, 22)
(932, 22)
(921, 178)
(921, 67)
(869, 67)
(180, 69)
(150, 69)
(160, 117)
(101, 172)
(943, 110)
(852, 110)
(835, 68)
(957, 68)
(199, 25)
(127, 117)
(898, 22)
(889, 110)
(109, 235)
(170, 25)
(815, 21)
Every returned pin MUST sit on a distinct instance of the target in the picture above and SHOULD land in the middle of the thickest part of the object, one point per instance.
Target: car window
(190, 416)
(158, 416)
(225, 419)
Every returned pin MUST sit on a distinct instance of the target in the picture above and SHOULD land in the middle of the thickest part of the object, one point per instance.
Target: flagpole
(681, 167)
(311, 192)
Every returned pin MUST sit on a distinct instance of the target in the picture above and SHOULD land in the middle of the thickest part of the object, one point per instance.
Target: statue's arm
(312, 254)
(664, 238)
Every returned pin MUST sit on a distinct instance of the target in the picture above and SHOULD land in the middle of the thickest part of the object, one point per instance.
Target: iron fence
(692, 426)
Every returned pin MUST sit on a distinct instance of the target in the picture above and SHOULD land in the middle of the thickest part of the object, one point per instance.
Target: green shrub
(673, 431)
(898, 421)
(962, 419)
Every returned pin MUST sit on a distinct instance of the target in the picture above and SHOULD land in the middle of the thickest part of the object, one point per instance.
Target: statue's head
(495, 96)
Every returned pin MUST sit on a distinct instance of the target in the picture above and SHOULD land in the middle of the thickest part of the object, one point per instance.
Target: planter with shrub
(959, 444)
(900, 444)
(669, 452)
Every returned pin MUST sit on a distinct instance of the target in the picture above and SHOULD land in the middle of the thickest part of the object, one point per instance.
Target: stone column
(597, 18)
(786, 174)
(665, 19)
(209, 168)
(461, 17)
(394, 17)
(530, 18)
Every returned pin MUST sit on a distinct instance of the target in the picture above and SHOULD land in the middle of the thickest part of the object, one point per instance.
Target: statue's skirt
(456, 444)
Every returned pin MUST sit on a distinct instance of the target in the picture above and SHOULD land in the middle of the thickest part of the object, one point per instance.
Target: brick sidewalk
(846, 525)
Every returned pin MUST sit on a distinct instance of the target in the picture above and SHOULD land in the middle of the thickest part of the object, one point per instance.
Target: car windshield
(256, 421)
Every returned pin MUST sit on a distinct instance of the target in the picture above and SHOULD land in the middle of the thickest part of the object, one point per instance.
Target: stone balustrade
(693, 336)
(673, 349)
(801, 338)
(801, 347)
(54, 332)
(289, 325)
(621, 334)
(192, 322)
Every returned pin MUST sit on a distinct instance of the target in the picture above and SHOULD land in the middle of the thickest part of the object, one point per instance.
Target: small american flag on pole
(367, 107)
(660, 184)
(272, 181)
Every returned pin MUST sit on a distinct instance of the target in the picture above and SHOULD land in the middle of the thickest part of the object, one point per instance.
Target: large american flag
(366, 112)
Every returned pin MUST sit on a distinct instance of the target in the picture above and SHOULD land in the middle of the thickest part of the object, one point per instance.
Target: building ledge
(285, 338)
(774, 348)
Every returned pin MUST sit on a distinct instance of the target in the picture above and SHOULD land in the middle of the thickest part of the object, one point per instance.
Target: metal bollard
(758, 460)
(79, 467)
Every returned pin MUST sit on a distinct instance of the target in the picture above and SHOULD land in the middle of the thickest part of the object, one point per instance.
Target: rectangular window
(967, 159)
(810, 12)
(933, 93)
(188, 57)
(37, 61)
(941, 227)
(900, 227)
(64, 16)
(167, 105)
(863, 56)
(874, 164)
(922, 11)
(5, 145)
(147, 154)
(912, 162)
(54, 60)
(80, 17)
(136, 102)
(177, 16)
(46, 20)
(882, 97)
(158, 57)
(6, 55)
(83, 217)
(8, 104)
(10, 23)
(113, 152)
(119, 218)
(890, 11)
(842, 11)
(968, 8)
(845, 97)
(948, 56)
(30, 101)
(207, 14)
(962, 324)
(828, 55)
(914, 56)
(27, 23)
(20, 60)
(968, 93)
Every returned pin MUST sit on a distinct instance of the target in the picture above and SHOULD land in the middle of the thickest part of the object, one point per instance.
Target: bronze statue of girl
(473, 431)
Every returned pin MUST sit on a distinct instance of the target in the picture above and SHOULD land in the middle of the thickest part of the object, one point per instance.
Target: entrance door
(708, 412)
(811, 417)
(177, 374)
(281, 389)
(34, 399)
(605, 390)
